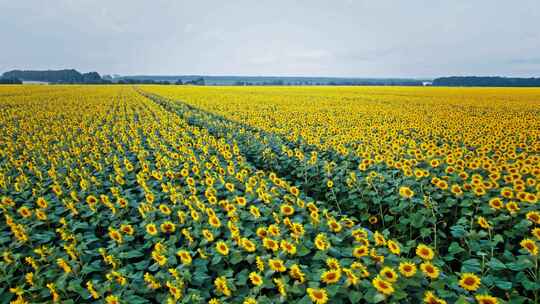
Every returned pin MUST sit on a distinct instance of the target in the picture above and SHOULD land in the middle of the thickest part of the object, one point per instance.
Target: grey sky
(415, 38)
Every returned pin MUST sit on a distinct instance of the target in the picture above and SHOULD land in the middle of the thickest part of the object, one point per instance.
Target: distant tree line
(331, 83)
(198, 81)
(70, 76)
(5, 80)
(476, 81)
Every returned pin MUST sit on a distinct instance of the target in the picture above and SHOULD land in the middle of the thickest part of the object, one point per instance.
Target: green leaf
(495, 264)
(471, 265)
(505, 285)
(354, 296)
(236, 257)
(455, 248)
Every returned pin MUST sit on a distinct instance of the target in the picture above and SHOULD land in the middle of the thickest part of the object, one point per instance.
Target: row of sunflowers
(473, 198)
(113, 194)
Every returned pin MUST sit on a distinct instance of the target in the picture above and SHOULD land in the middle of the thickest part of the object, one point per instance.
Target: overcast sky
(364, 38)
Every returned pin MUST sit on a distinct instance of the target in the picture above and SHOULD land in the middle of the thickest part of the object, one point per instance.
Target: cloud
(416, 38)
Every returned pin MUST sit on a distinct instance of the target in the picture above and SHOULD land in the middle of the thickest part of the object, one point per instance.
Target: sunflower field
(185, 194)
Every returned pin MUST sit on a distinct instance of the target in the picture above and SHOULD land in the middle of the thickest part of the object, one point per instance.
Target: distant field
(187, 194)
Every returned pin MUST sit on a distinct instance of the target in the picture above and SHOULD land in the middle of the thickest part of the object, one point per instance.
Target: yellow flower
(429, 270)
(321, 242)
(112, 299)
(42, 203)
(406, 192)
(185, 256)
(287, 210)
(425, 252)
(151, 229)
(533, 216)
(431, 298)
(255, 279)
(382, 286)
(64, 265)
(331, 276)
(222, 248)
(486, 299)
(168, 227)
(317, 296)
(221, 285)
(530, 246)
(115, 235)
(483, 222)
(393, 247)
(469, 281)
(407, 269)
(388, 274)
(277, 265)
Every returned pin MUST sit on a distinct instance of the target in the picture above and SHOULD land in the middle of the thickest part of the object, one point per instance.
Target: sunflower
(407, 269)
(479, 191)
(255, 279)
(507, 192)
(393, 247)
(42, 203)
(512, 207)
(296, 273)
(168, 227)
(333, 264)
(406, 192)
(321, 242)
(273, 230)
(530, 246)
(360, 251)
(496, 203)
(249, 300)
(425, 252)
(248, 245)
(331, 276)
(469, 281)
(25, 212)
(359, 234)
(533, 216)
(185, 257)
(373, 220)
(222, 248)
(277, 265)
(334, 226)
(317, 296)
(41, 215)
(207, 234)
(221, 285)
(127, 229)
(483, 222)
(379, 239)
(288, 247)
(388, 274)
(241, 201)
(115, 235)
(294, 191)
(382, 286)
(429, 270)
(536, 233)
(112, 300)
(214, 221)
(151, 229)
(270, 244)
(255, 212)
(486, 299)
(431, 298)
(165, 209)
(287, 210)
